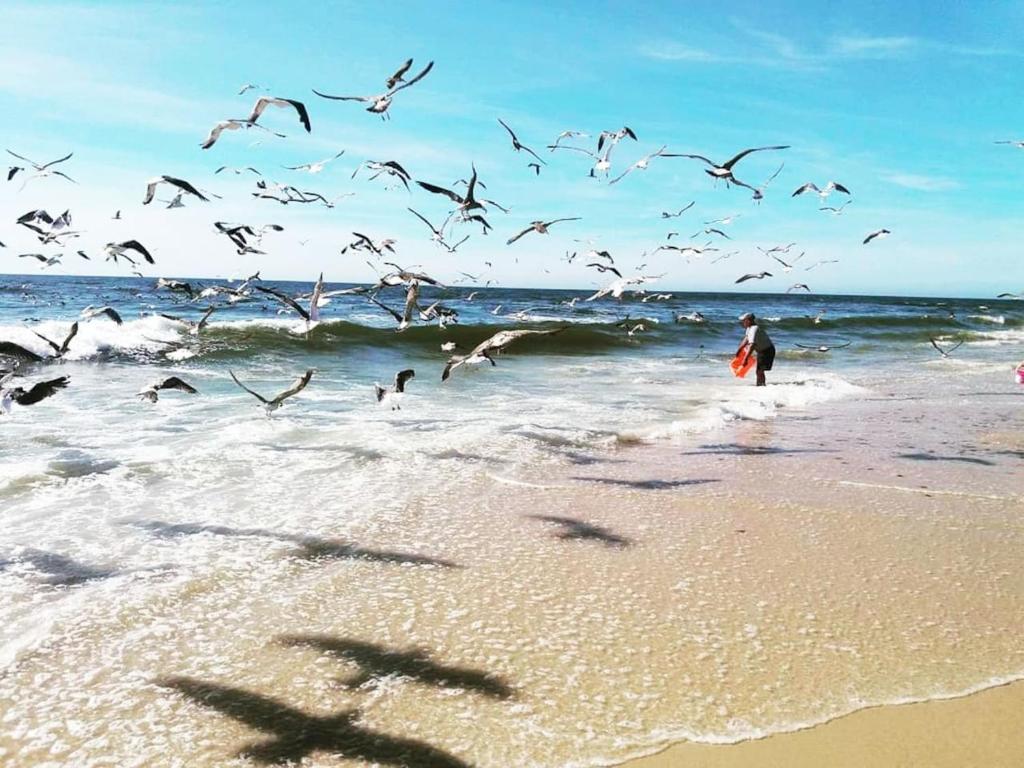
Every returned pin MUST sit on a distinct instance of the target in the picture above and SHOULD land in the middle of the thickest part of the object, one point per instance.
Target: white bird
(640, 165)
(275, 402)
(824, 347)
(566, 135)
(182, 185)
(835, 211)
(232, 125)
(540, 227)
(824, 192)
(758, 195)
(393, 394)
(380, 103)
(389, 167)
(877, 234)
(47, 261)
(787, 266)
(798, 287)
(820, 263)
(41, 170)
(483, 351)
(616, 288)
(316, 167)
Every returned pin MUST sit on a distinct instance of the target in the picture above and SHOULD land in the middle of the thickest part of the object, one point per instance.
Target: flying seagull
(518, 145)
(393, 394)
(798, 287)
(273, 101)
(541, 227)
(758, 195)
(389, 167)
(34, 394)
(876, 234)
(194, 326)
(787, 266)
(485, 350)
(90, 312)
(274, 403)
(945, 352)
(835, 211)
(615, 289)
(232, 125)
(724, 171)
(180, 184)
(566, 135)
(824, 192)
(754, 276)
(114, 250)
(640, 165)
(311, 315)
(684, 209)
(614, 137)
(824, 347)
(380, 103)
(59, 350)
(316, 167)
(151, 393)
(42, 170)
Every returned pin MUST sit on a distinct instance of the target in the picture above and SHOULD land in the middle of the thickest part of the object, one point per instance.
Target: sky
(899, 102)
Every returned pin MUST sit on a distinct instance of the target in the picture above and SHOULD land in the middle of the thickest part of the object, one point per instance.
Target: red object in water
(738, 368)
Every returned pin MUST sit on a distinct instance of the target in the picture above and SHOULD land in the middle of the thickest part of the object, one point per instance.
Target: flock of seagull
(466, 207)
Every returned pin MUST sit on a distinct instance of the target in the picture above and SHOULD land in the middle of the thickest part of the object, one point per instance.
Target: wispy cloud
(921, 182)
(874, 47)
(669, 51)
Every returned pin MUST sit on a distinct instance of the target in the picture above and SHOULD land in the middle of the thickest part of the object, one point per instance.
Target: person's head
(747, 319)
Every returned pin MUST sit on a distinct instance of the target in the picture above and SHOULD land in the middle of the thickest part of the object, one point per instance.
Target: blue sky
(901, 102)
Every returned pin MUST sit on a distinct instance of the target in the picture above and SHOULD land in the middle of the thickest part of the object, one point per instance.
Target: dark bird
(380, 103)
(275, 402)
(876, 234)
(724, 171)
(393, 394)
(151, 393)
(604, 268)
(34, 394)
(398, 76)
(59, 350)
(945, 352)
(754, 276)
(18, 352)
(540, 227)
(684, 209)
(517, 145)
(181, 184)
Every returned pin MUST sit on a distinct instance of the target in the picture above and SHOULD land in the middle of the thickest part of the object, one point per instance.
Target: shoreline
(982, 727)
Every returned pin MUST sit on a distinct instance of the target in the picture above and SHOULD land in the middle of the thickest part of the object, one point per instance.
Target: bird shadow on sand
(738, 449)
(55, 569)
(580, 530)
(936, 457)
(309, 547)
(293, 735)
(377, 661)
(650, 485)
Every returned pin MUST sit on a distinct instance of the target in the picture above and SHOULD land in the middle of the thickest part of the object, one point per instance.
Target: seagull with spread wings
(41, 169)
(180, 184)
(540, 227)
(517, 145)
(724, 171)
(496, 344)
(277, 400)
(380, 103)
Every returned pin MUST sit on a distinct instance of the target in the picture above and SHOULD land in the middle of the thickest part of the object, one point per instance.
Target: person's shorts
(765, 358)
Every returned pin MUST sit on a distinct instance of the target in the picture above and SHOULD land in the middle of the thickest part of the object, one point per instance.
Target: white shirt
(757, 337)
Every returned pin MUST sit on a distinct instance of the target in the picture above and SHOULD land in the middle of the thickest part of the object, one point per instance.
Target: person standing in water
(756, 339)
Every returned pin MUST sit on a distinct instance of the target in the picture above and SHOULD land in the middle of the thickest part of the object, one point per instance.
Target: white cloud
(874, 47)
(921, 182)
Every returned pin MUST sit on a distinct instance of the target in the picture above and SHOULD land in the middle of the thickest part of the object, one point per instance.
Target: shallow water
(163, 566)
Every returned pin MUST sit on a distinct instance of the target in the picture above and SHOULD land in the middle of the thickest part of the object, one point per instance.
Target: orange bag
(738, 368)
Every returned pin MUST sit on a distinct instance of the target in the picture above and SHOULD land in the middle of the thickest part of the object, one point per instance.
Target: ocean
(147, 545)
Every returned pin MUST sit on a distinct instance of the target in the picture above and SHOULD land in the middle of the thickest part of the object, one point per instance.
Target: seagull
(684, 209)
(945, 352)
(492, 346)
(603, 163)
(389, 167)
(90, 312)
(1015, 142)
(365, 243)
(724, 171)
(316, 167)
(397, 77)
(820, 263)
(175, 285)
(1010, 296)
(404, 276)
(787, 266)
(540, 227)
(710, 231)
(616, 288)
(34, 394)
(754, 276)
(465, 203)
(150, 393)
(518, 145)
(693, 317)
(775, 249)
(759, 192)
(274, 403)
(59, 350)
(824, 192)
(42, 170)
(566, 135)
(181, 184)
(312, 315)
(48, 261)
(798, 287)
(394, 394)
(274, 101)
(114, 250)
(724, 256)
(724, 221)
(835, 211)
(238, 171)
(876, 234)
(194, 326)
(604, 268)
(614, 137)
(380, 103)
(640, 165)
(47, 228)
(824, 347)
(688, 249)
(232, 125)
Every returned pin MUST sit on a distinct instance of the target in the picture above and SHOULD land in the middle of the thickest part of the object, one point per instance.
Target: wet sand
(984, 729)
(767, 577)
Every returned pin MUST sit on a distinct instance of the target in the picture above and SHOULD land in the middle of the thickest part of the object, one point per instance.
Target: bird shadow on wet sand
(57, 570)
(936, 457)
(580, 530)
(309, 547)
(293, 734)
(377, 661)
(650, 485)
(738, 449)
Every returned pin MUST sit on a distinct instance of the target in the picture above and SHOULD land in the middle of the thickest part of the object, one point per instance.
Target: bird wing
(803, 188)
(284, 299)
(343, 98)
(299, 385)
(314, 299)
(414, 80)
(72, 332)
(54, 162)
(510, 131)
(397, 76)
(454, 197)
(732, 161)
(394, 313)
(257, 395)
(421, 218)
(185, 187)
(840, 188)
(150, 191)
(10, 349)
(300, 108)
(694, 157)
(555, 221)
(173, 382)
(135, 245)
(403, 376)
(745, 278)
(553, 147)
(53, 344)
(41, 391)
(516, 237)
